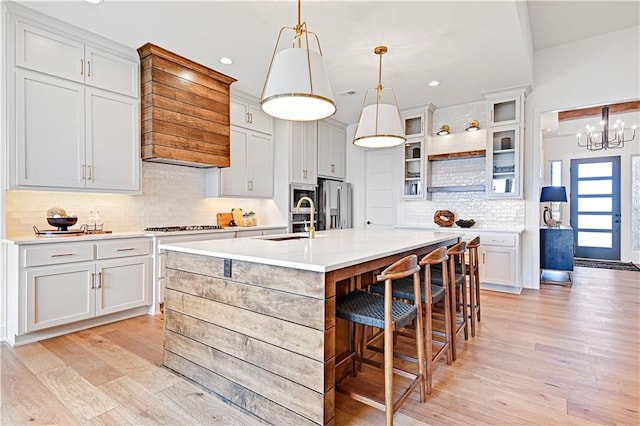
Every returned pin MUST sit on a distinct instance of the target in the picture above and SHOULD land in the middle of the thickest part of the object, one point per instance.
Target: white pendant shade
(297, 87)
(380, 126)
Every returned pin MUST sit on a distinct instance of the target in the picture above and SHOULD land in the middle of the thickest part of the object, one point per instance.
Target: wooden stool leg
(452, 308)
(472, 301)
(465, 317)
(477, 280)
(388, 355)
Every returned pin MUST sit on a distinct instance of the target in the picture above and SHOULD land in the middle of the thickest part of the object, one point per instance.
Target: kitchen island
(253, 319)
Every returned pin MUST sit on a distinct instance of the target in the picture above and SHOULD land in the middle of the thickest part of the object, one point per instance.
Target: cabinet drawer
(57, 254)
(122, 248)
(505, 240)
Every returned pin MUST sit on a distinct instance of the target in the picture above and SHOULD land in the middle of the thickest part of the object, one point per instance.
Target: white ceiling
(470, 47)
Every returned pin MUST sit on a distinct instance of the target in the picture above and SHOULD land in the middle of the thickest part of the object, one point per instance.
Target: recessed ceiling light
(434, 83)
(94, 1)
(225, 60)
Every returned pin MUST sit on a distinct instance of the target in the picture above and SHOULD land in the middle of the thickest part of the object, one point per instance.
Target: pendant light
(297, 87)
(380, 125)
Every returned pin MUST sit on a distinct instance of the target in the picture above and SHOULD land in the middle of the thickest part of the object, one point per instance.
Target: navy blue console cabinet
(556, 248)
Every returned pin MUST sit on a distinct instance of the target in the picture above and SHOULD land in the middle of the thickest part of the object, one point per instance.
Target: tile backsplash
(171, 195)
(488, 213)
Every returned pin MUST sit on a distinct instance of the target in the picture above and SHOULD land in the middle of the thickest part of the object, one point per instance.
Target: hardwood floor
(561, 355)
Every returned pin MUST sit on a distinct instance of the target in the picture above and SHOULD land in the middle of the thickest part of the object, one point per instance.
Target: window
(555, 179)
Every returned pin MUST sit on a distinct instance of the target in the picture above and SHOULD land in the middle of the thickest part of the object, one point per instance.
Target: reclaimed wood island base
(262, 334)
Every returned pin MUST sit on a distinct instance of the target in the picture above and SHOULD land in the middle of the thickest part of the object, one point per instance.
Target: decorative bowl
(465, 223)
(62, 222)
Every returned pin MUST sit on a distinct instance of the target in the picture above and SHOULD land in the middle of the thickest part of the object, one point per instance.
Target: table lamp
(552, 194)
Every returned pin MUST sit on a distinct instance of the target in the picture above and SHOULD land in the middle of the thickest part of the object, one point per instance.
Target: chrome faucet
(311, 228)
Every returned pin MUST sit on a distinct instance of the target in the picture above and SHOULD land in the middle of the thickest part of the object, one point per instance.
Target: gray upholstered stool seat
(368, 309)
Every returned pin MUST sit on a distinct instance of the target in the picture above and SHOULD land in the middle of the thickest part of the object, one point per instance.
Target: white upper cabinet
(331, 150)
(249, 115)
(53, 54)
(303, 145)
(504, 143)
(76, 122)
(251, 172)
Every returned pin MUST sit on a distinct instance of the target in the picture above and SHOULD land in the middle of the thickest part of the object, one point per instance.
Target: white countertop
(330, 250)
(32, 239)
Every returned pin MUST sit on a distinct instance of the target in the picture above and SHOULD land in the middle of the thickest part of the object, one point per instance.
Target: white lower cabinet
(500, 262)
(59, 287)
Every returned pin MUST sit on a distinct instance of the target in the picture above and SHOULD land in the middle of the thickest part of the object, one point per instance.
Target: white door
(122, 284)
(50, 131)
(381, 187)
(113, 146)
(59, 295)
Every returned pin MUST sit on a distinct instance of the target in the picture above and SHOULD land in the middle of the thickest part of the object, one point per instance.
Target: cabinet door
(497, 265)
(238, 113)
(113, 146)
(233, 179)
(50, 53)
(50, 139)
(331, 151)
(259, 120)
(302, 148)
(260, 168)
(505, 110)
(413, 125)
(122, 284)
(503, 162)
(413, 171)
(58, 295)
(338, 153)
(111, 72)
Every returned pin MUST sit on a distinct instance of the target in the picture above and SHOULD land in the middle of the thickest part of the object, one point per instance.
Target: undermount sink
(287, 237)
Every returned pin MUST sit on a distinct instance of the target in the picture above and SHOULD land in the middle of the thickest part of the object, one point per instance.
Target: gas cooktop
(182, 228)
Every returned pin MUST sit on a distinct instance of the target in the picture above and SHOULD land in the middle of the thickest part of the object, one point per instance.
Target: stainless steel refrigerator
(334, 204)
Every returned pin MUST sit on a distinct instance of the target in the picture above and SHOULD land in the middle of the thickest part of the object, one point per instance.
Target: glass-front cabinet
(503, 166)
(506, 110)
(413, 170)
(413, 125)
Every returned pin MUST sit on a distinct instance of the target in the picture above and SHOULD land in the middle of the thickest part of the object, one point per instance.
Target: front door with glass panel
(595, 207)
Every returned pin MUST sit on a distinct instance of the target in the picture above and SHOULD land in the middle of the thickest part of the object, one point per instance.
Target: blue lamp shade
(553, 194)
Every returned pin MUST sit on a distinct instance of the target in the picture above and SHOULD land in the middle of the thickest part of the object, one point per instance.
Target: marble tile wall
(171, 195)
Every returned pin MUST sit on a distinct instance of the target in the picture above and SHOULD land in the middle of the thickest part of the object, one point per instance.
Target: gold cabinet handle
(93, 280)
(62, 254)
(81, 66)
(100, 278)
(88, 68)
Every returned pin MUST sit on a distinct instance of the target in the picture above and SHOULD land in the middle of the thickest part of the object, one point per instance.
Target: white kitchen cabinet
(500, 261)
(504, 143)
(51, 52)
(249, 115)
(303, 148)
(77, 114)
(331, 150)
(414, 123)
(56, 287)
(413, 169)
(251, 171)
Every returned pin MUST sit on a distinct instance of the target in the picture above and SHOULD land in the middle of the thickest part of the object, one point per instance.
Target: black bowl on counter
(62, 223)
(462, 223)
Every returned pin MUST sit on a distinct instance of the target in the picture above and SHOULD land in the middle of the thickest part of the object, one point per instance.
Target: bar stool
(473, 268)
(383, 312)
(431, 294)
(458, 293)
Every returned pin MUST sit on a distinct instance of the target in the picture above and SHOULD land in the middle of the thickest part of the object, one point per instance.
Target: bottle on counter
(91, 222)
(98, 221)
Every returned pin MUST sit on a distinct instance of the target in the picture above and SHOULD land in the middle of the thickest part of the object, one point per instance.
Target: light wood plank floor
(555, 356)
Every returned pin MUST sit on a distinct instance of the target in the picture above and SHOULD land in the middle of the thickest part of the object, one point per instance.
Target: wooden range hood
(185, 110)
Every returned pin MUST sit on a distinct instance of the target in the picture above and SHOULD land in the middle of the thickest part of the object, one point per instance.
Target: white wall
(594, 71)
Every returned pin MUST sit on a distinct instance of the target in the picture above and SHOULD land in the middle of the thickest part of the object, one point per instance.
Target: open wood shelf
(457, 155)
(458, 188)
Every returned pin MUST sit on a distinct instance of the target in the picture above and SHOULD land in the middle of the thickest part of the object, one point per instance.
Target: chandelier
(606, 139)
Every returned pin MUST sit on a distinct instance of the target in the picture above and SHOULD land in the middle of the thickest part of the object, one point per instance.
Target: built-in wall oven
(299, 220)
